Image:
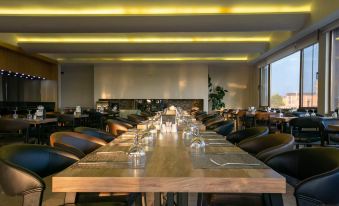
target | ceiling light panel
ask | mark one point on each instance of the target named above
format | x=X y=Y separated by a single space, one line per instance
x=152 y=10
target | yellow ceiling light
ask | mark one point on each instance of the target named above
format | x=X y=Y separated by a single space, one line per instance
x=271 y=9
x=140 y=39
x=121 y=11
x=158 y=59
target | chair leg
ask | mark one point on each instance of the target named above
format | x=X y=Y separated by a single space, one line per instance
x=33 y=199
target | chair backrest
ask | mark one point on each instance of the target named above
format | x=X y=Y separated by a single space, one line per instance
x=214 y=120
x=22 y=167
x=121 y=119
x=136 y=118
x=78 y=144
x=240 y=135
x=12 y=125
x=325 y=122
x=95 y=133
x=225 y=128
x=116 y=128
x=306 y=162
x=262 y=116
x=269 y=145
x=305 y=122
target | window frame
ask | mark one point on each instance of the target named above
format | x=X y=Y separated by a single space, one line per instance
x=301 y=77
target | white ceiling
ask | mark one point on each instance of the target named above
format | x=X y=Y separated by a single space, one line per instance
x=13 y=26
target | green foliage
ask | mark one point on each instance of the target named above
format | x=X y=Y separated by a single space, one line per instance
x=216 y=97
x=277 y=101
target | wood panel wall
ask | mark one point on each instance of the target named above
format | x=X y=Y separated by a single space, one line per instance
x=16 y=60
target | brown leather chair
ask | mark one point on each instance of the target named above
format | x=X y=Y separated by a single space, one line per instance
x=267 y=146
x=15 y=126
x=22 y=167
x=94 y=132
x=76 y=143
x=116 y=128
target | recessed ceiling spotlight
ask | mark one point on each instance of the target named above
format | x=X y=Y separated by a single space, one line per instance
x=2 y=70
x=44 y=78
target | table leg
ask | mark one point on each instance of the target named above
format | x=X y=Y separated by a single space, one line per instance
x=157 y=199
x=273 y=199
x=70 y=197
x=182 y=199
x=170 y=199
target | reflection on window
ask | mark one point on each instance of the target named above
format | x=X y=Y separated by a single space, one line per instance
x=310 y=76
x=264 y=86
x=335 y=71
x=285 y=77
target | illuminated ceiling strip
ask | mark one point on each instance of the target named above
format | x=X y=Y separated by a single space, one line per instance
x=118 y=11
x=158 y=59
x=140 y=39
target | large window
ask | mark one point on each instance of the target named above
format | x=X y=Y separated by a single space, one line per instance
x=264 y=75
x=310 y=76
x=335 y=71
x=285 y=81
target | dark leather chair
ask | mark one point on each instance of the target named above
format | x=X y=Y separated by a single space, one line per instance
x=214 y=122
x=240 y=135
x=225 y=128
x=14 y=126
x=76 y=143
x=313 y=172
x=266 y=146
x=306 y=130
x=23 y=166
x=94 y=132
x=208 y=117
x=200 y=116
x=329 y=135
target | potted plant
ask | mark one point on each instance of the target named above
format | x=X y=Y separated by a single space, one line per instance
x=216 y=95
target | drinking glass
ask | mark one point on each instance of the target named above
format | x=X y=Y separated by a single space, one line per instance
x=307 y=114
x=29 y=115
x=136 y=152
x=313 y=114
x=198 y=142
x=15 y=115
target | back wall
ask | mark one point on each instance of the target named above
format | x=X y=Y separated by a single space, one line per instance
x=158 y=81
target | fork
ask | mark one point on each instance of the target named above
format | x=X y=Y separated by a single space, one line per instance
x=233 y=163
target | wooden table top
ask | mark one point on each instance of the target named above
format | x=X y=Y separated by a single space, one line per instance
x=282 y=119
x=41 y=121
x=333 y=127
x=169 y=169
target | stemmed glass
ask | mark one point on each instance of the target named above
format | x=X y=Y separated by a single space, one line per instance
x=136 y=153
x=29 y=115
x=198 y=141
x=15 y=115
x=307 y=114
x=313 y=114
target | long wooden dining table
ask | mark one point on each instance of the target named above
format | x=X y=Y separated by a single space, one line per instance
x=170 y=167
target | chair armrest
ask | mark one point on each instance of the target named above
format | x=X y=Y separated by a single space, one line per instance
x=16 y=180
x=319 y=189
